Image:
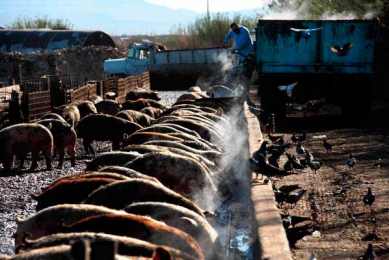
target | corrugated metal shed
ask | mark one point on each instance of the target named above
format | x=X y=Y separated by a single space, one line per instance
x=28 y=41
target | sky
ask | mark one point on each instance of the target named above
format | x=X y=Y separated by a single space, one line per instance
x=117 y=17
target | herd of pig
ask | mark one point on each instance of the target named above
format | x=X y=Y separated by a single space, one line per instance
x=148 y=198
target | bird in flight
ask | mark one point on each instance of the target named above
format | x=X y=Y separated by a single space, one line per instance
x=306 y=33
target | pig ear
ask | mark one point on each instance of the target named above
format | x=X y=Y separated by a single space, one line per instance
x=99 y=168
x=87 y=162
x=125 y=136
x=161 y=254
x=49 y=126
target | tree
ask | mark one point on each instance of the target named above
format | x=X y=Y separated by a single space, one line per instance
x=316 y=9
x=40 y=23
x=206 y=31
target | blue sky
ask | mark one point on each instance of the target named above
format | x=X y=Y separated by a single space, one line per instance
x=122 y=16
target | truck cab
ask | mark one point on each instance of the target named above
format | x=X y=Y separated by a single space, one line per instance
x=138 y=60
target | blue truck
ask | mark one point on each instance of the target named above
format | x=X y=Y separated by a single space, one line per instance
x=335 y=59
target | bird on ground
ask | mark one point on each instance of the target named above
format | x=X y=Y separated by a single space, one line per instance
x=275 y=138
x=288 y=89
x=295 y=162
x=308 y=156
x=256 y=110
x=289 y=188
x=288 y=166
x=300 y=149
x=262 y=150
x=328 y=146
x=313 y=257
x=278 y=148
x=342 y=50
x=279 y=195
x=290 y=220
x=306 y=33
x=315 y=165
x=262 y=166
x=294 y=197
x=369 y=254
x=351 y=161
x=369 y=198
x=299 y=138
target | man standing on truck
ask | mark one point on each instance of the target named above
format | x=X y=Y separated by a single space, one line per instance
x=243 y=42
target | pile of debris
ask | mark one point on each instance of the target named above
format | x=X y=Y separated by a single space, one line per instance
x=79 y=62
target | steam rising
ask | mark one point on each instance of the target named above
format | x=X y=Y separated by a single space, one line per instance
x=302 y=13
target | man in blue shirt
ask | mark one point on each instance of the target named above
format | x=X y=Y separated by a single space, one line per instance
x=243 y=42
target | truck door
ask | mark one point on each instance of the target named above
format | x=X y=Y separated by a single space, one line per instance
x=141 y=61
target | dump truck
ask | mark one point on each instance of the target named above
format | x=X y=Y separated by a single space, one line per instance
x=169 y=69
x=334 y=59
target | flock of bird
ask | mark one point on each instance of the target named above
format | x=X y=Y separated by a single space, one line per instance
x=265 y=162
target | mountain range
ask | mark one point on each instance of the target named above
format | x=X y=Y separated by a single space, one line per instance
x=115 y=17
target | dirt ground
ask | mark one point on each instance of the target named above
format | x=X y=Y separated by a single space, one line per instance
x=341 y=226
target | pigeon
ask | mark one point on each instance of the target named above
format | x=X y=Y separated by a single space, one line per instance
x=313 y=257
x=279 y=195
x=327 y=145
x=315 y=165
x=308 y=156
x=293 y=198
x=288 y=89
x=262 y=150
x=295 y=162
x=288 y=166
x=255 y=110
x=275 y=138
x=293 y=220
x=369 y=254
x=286 y=221
x=289 y=188
x=342 y=50
x=263 y=167
x=350 y=161
x=298 y=138
x=306 y=33
x=300 y=149
x=369 y=198
x=279 y=148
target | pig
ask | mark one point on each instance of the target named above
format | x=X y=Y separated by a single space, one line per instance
x=126 y=246
x=144 y=149
x=183 y=175
x=139 y=227
x=169 y=128
x=50 y=220
x=86 y=108
x=110 y=159
x=137 y=190
x=203 y=130
x=109 y=107
x=64 y=138
x=135 y=116
x=21 y=139
x=210 y=155
x=95 y=99
x=71 y=114
x=140 y=138
x=142 y=93
x=176 y=216
x=152 y=111
x=68 y=191
x=189 y=96
x=62 y=252
x=109 y=175
x=128 y=173
x=100 y=127
x=205 y=143
x=194 y=89
x=140 y=104
x=53 y=116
